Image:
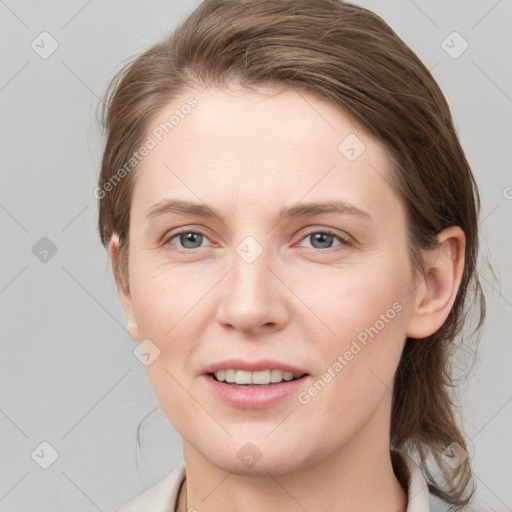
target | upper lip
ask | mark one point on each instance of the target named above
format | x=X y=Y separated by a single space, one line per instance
x=253 y=366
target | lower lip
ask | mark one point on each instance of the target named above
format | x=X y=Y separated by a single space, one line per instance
x=252 y=397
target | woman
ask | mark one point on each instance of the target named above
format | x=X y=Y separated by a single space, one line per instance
x=293 y=228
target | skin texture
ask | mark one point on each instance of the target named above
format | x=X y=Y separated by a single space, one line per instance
x=302 y=301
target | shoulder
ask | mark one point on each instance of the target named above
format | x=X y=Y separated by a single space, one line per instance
x=159 y=498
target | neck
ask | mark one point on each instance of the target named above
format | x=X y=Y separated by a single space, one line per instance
x=354 y=485
x=357 y=477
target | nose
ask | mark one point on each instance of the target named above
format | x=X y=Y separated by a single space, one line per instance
x=254 y=299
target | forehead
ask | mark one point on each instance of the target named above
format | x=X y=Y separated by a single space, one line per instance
x=275 y=143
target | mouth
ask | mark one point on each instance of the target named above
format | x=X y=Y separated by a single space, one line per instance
x=256 y=379
x=254 y=384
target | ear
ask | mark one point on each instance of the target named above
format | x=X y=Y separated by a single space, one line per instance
x=436 y=291
x=123 y=289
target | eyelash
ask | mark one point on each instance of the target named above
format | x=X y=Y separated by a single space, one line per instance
x=345 y=241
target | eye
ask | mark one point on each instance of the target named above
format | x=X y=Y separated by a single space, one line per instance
x=187 y=239
x=323 y=239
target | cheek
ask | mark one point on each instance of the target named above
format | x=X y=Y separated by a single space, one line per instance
x=357 y=370
x=359 y=328
x=168 y=313
x=346 y=301
x=164 y=297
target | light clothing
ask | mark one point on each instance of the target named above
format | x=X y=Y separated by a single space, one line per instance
x=163 y=496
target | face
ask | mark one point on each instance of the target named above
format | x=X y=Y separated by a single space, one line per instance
x=295 y=259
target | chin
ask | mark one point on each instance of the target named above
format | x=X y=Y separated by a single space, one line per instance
x=274 y=465
x=258 y=458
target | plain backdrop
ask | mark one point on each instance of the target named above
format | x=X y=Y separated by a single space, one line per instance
x=69 y=378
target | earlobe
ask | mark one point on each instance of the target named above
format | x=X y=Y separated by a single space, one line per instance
x=436 y=292
x=123 y=289
x=133 y=331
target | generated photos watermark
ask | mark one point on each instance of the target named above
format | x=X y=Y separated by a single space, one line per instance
x=342 y=360
x=151 y=142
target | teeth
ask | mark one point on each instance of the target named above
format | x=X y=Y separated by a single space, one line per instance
x=261 y=377
x=264 y=377
x=243 y=377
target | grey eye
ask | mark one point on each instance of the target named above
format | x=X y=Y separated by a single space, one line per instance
x=189 y=239
x=322 y=239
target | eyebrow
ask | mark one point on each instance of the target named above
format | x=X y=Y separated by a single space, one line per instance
x=182 y=207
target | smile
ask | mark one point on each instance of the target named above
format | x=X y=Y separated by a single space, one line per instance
x=259 y=378
x=242 y=395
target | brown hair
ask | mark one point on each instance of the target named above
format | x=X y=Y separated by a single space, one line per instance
x=349 y=57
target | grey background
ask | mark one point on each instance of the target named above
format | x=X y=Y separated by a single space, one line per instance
x=68 y=375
